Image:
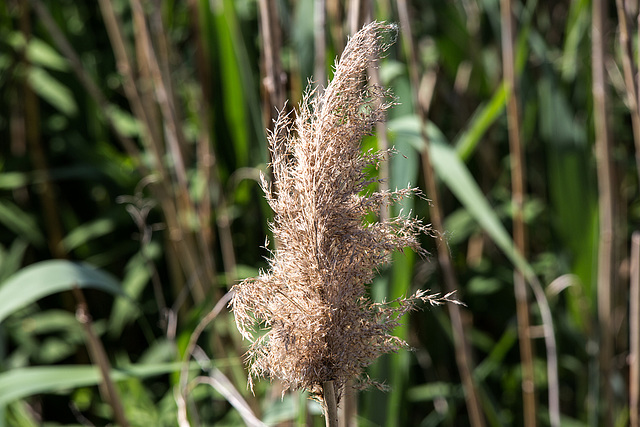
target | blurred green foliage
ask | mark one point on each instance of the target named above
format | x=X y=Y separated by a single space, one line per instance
x=71 y=189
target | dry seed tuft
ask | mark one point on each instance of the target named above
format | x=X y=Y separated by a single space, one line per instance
x=308 y=318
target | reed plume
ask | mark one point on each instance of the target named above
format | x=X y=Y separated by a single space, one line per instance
x=308 y=318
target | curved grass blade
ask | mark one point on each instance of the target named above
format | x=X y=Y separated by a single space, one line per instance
x=22 y=223
x=482 y=119
x=23 y=382
x=48 y=277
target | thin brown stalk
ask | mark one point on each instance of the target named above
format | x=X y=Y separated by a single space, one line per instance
x=630 y=71
x=330 y=404
x=55 y=231
x=36 y=150
x=348 y=409
x=463 y=354
x=336 y=23
x=354 y=15
x=147 y=57
x=274 y=77
x=206 y=160
x=518 y=194
x=226 y=241
x=126 y=69
x=606 y=255
x=320 y=43
x=182 y=239
x=92 y=89
x=156 y=74
x=99 y=358
x=551 y=347
x=634 y=333
x=163 y=97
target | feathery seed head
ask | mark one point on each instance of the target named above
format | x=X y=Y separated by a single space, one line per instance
x=308 y=318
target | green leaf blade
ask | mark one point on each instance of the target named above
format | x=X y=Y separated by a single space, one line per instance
x=48 y=277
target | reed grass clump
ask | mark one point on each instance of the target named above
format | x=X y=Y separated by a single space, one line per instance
x=308 y=318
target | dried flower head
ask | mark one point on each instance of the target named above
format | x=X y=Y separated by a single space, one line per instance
x=309 y=318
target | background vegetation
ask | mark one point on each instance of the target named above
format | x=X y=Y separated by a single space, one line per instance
x=133 y=133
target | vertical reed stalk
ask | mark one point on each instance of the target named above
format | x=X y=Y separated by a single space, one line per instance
x=630 y=71
x=606 y=256
x=518 y=194
x=99 y=357
x=206 y=160
x=62 y=43
x=175 y=206
x=273 y=81
x=353 y=16
x=205 y=156
x=36 y=150
x=330 y=404
x=634 y=333
x=463 y=353
x=336 y=23
x=320 y=43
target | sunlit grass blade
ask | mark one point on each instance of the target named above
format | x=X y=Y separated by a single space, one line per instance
x=21 y=222
x=455 y=175
x=49 y=277
x=23 y=382
x=482 y=119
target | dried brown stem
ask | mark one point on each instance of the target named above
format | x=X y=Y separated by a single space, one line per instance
x=99 y=358
x=92 y=89
x=463 y=354
x=320 y=43
x=630 y=72
x=634 y=332
x=273 y=80
x=336 y=23
x=330 y=404
x=354 y=15
x=606 y=254
x=206 y=160
x=518 y=194
x=173 y=205
x=163 y=97
x=126 y=69
x=36 y=150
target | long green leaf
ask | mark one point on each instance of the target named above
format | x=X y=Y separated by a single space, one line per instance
x=23 y=382
x=49 y=277
x=21 y=222
x=483 y=118
x=86 y=232
x=52 y=91
x=455 y=175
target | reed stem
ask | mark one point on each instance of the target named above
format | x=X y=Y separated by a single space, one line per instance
x=634 y=333
x=330 y=404
x=518 y=193
x=606 y=255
